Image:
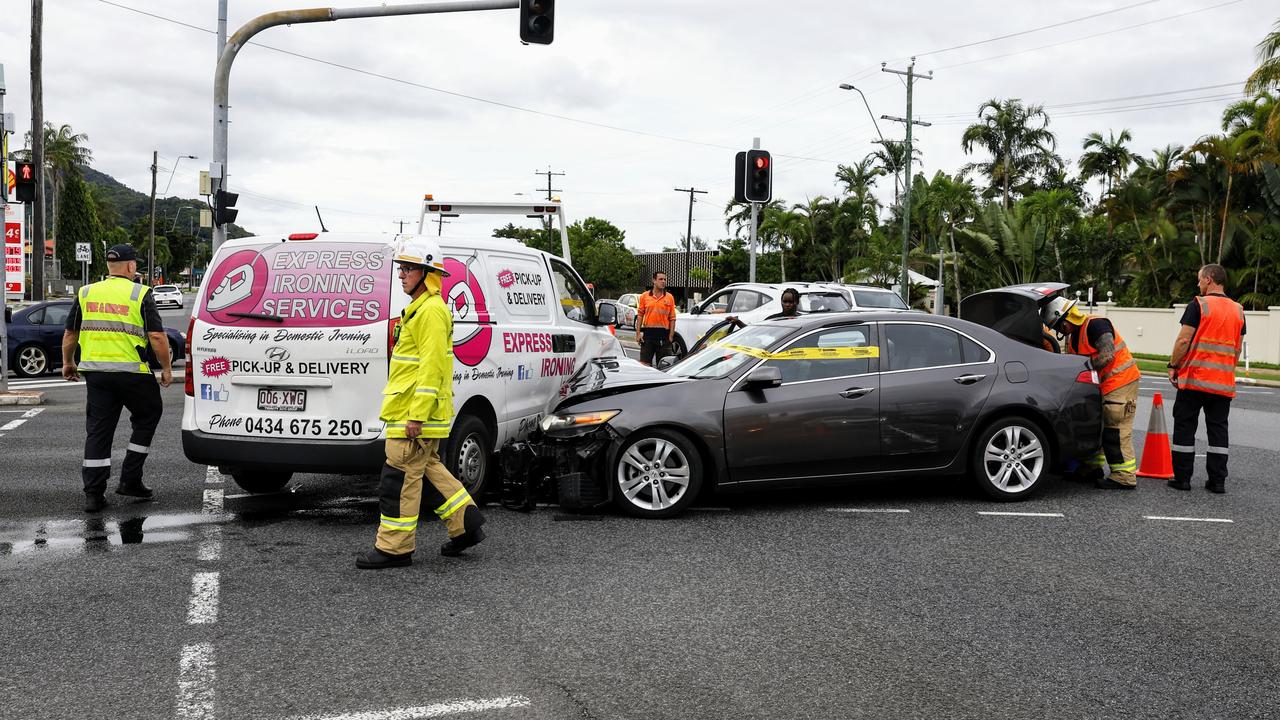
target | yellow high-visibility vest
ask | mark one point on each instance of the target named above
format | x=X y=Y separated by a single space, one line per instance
x=112 y=331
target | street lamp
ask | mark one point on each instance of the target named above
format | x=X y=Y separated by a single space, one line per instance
x=846 y=86
x=151 y=252
x=178 y=214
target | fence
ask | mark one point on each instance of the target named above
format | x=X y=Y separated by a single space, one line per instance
x=1153 y=330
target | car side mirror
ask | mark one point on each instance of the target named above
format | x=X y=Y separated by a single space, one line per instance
x=695 y=310
x=666 y=362
x=765 y=376
x=607 y=314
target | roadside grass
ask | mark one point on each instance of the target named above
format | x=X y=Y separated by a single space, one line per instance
x=1159 y=364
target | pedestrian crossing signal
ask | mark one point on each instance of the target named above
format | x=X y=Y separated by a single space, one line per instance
x=25 y=188
x=537 y=21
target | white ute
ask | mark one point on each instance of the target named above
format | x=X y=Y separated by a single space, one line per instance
x=289 y=340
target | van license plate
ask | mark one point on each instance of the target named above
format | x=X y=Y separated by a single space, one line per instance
x=282 y=399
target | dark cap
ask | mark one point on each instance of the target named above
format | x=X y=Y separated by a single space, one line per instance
x=121 y=253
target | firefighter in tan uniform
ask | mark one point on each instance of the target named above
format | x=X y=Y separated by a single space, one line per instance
x=417 y=406
x=1097 y=339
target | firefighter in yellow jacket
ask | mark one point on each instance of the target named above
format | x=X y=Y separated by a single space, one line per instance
x=417 y=405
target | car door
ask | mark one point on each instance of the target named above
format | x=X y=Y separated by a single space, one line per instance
x=52 y=325
x=933 y=384
x=822 y=423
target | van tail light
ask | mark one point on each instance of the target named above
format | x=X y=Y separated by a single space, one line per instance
x=189 y=373
x=1088 y=376
x=391 y=337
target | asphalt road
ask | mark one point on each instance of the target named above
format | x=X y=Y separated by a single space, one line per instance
x=882 y=600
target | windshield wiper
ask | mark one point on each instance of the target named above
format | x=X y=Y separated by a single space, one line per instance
x=257 y=316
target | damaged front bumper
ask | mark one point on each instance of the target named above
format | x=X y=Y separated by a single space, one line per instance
x=570 y=471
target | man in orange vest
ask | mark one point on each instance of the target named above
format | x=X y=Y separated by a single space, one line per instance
x=656 y=321
x=1097 y=339
x=1203 y=368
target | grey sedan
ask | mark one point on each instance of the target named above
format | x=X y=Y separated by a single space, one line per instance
x=825 y=399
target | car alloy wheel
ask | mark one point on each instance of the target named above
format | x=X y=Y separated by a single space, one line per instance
x=1011 y=459
x=657 y=475
x=32 y=360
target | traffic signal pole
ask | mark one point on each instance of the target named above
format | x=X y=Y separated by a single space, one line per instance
x=4 y=245
x=218 y=170
x=751 y=265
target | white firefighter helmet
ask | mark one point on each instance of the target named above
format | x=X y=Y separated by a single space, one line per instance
x=1058 y=308
x=419 y=251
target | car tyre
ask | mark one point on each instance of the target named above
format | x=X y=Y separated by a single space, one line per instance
x=469 y=453
x=1011 y=459
x=30 y=361
x=261 y=481
x=656 y=474
x=678 y=347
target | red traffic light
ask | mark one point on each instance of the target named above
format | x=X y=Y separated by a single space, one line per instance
x=24 y=170
x=762 y=162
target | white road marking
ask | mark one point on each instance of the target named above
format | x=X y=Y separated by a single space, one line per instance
x=211 y=547
x=196 y=677
x=203 y=606
x=453 y=707
x=212 y=501
x=1019 y=514
x=212 y=476
x=45 y=384
x=1187 y=519
x=866 y=510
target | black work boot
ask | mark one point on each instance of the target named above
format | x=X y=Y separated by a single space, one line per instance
x=137 y=490
x=472 y=519
x=1107 y=483
x=1179 y=484
x=1219 y=487
x=94 y=502
x=375 y=559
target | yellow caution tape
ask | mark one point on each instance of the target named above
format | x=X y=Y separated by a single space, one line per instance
x=806 y=353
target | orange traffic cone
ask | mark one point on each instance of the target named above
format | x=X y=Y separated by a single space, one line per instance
x=1157 y=456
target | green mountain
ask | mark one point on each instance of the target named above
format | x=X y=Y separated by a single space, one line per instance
x=132 y=206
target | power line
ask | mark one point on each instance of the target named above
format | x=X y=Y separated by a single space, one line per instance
x=1049 y=106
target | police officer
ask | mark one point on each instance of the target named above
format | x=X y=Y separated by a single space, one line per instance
x=112 y=322
x=1203 y=368
x=1097 y=339
x=417 y=406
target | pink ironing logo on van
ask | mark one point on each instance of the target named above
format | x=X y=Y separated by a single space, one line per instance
x=464 y=296
x=311 y=285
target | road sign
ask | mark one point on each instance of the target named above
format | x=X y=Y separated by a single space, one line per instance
x=83 y=252
x=14 y=260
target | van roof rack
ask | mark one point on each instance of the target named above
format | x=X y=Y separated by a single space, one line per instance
x=544 y=209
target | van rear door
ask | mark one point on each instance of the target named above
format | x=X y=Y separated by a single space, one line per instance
x=290 y=340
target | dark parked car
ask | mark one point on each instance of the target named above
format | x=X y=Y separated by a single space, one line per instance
x=822 y=399
x=35 y=339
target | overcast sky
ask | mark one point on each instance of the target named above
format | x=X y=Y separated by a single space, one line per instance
x=632 y=100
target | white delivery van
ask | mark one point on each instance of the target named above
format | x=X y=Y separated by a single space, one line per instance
x=288 y=346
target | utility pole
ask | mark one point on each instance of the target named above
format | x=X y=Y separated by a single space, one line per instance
x=401 y=224
x=688 y=239
x=37 y=149
x=910 y=72
x=151 y=253
x=440 y=223
x=546 y=219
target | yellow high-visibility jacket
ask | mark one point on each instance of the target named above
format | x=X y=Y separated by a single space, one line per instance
x=420 y=382
x=112 y=330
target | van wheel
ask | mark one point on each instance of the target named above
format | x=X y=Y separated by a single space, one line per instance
x=470 y=453
x=261 y=481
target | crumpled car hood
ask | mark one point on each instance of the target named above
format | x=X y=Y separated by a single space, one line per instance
x=602 y=377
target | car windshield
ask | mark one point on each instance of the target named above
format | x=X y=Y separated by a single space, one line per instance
x=874 y=299
x=719 y=359
x=824 y=302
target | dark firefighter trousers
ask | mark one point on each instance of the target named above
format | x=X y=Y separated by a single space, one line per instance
x=402 y=494
x=1186 y=416
x=108 y=393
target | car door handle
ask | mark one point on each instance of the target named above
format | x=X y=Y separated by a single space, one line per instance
x=854 y=393
x=969 y=379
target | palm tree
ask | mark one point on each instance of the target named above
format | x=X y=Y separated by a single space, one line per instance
x=1107 y=159
x=1235 y=156
x=1003 y=244
x=737 y=215
x=64 y=155
x=1267 y=77
x=1057 y=210
x=1018 y=138
x=893 y=160
x=860 y=177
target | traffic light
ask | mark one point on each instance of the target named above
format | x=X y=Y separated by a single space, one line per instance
x=25 y=189
x=224 y=211
x=537 y=21
x=753 y=175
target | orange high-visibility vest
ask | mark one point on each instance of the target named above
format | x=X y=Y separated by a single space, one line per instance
x=656 y=312
x=1121 y=371
x=1210 y=364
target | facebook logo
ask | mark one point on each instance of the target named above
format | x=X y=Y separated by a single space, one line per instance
x=523 y=373
x=222 y=394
